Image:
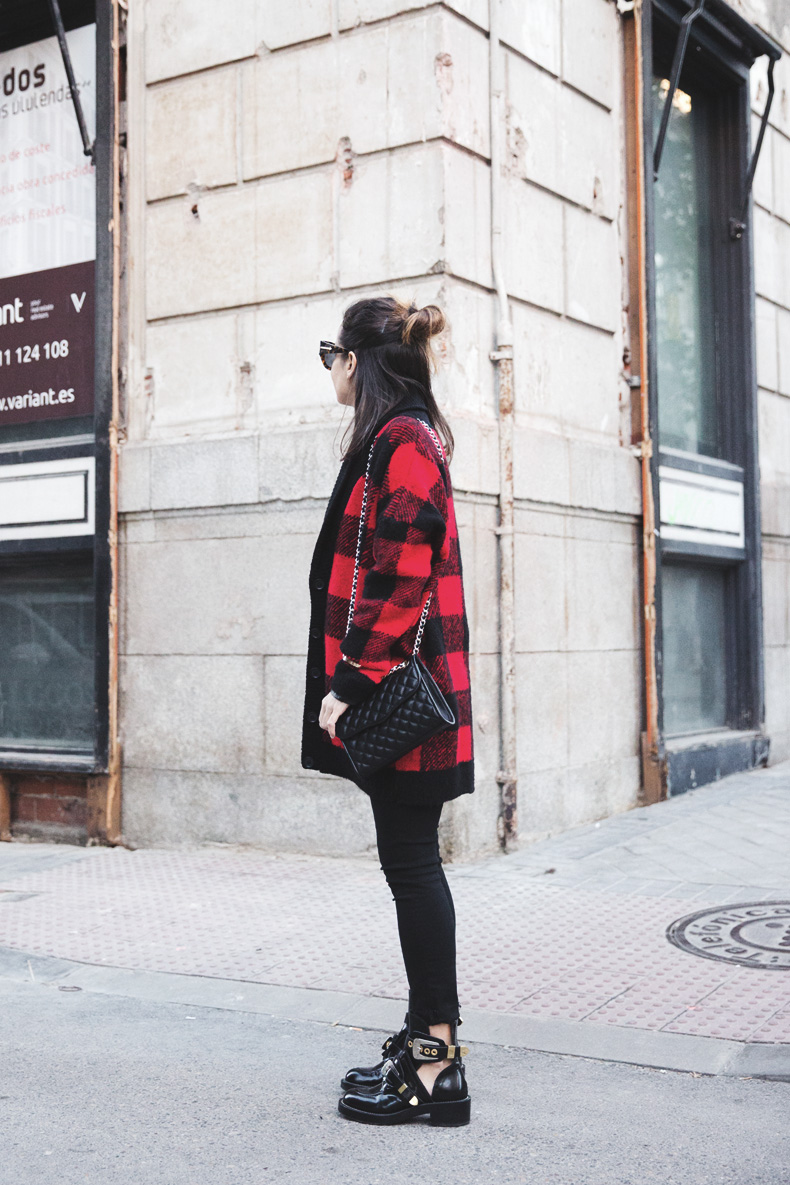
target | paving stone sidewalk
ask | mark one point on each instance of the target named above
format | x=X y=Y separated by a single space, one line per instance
x=570 y=930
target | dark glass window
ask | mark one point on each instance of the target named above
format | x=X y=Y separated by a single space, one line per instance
x=49 y=431
x=47 y=658
x=694 y=606
x=685 y=311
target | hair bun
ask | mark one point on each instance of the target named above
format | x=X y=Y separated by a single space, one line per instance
x=420 y=325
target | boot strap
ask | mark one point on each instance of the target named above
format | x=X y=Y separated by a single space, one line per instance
x=395 y=1079
x=390 y=1040
x=427 y=1049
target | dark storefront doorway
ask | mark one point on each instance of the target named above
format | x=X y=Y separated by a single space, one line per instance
x=704 y=390
x=55 y=390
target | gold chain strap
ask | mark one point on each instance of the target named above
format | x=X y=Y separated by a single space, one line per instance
x=360 y=536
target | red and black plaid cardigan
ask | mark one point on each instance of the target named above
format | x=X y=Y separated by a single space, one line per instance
x=410 y=548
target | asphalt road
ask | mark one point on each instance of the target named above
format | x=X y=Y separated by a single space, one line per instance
x=115 y=1091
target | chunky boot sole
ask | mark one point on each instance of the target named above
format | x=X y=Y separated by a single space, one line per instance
x=449 y=1114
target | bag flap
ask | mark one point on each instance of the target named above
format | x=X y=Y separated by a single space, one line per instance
x=389 y=695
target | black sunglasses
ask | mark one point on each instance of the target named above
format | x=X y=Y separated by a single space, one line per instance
x=327 y=352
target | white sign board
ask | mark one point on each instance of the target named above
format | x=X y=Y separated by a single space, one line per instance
x=47 y=187
x=47 y=232
x=699 y=508
x=46 y=499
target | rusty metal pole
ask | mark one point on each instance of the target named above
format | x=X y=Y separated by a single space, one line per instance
x=653 y=769
x=507 y=775
x=5 y=807
x=502 y=357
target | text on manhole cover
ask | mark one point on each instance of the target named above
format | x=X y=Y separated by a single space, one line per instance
x=756 y=934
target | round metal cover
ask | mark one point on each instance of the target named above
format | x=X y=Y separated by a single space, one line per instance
x=756 y=934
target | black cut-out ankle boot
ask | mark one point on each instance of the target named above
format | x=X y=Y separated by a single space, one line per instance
x=401 y=1096
x=369 y=1077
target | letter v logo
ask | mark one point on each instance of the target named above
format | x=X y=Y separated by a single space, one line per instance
x=77 y=301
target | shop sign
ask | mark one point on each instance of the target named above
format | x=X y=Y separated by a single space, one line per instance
x=47 y=232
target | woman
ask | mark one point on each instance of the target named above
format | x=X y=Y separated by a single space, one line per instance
x=381 y=368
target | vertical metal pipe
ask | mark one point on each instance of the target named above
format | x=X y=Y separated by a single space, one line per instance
x=502 y=357
x=113 y=821
x=653 y=781
x=507 y=776
x=114 y=789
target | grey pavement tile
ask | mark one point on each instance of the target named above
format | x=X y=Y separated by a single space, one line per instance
x=693 y=890
x=601 y=880
x=685 y=891
x=720 y=862
x=758 y=814
x=683 y=864
x=744 y=872
x=19 y=859
x=665 y=869
x=708 y=892
x=658 y=888
x=769 y=813
x=740 y=893
x=564 y=882
x=632 y=885
x=744 y=843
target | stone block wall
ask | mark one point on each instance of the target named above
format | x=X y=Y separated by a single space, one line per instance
x=289 y=159
x=294 y=158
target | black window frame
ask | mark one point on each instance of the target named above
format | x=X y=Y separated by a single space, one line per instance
x=719 y=57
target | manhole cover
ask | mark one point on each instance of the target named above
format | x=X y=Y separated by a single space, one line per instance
x=756 y=934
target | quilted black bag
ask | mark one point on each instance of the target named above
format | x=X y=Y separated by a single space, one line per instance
x=406 y=707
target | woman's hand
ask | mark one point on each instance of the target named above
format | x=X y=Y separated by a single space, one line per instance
x=331 y=711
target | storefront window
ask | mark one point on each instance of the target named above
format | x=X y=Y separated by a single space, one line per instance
x=47 y=646
x=695 y=674
x=48 y=459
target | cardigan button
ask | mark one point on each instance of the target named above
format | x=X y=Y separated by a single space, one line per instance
x=319 y=583
x=315 y=632
x=312 y=717
x=308 y=762
x=315 y=672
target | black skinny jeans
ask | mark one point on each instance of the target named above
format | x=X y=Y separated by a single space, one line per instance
x=408 y=844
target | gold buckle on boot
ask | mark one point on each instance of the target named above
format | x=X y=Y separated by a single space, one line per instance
x=433 y=1051
x=426 y=1051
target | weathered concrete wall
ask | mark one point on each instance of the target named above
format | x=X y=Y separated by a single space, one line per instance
x=290 y=166
x=291 y=158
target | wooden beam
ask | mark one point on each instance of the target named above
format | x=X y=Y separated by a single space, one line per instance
x=104 y=809
x=5 y=807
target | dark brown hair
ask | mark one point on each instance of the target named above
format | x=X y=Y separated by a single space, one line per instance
x=392 y=342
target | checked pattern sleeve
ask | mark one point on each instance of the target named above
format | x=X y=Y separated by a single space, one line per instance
x=405 y=538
